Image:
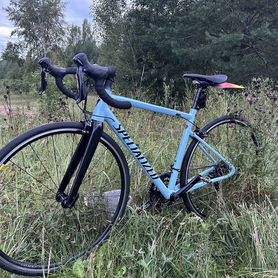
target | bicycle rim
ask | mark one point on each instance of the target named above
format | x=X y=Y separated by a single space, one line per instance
x=37 y=235
x=234 y=139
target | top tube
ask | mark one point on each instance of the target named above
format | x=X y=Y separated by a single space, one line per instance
x=158 y=109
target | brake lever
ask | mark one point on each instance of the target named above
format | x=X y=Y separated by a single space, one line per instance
x=82 y=88
x=43 y=82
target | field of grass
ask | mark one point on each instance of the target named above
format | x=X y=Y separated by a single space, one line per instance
x=237 y=242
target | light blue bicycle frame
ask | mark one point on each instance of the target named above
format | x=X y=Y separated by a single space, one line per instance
x=103 y=113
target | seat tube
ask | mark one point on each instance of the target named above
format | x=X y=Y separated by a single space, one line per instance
x=196 y=98
x=182 y=149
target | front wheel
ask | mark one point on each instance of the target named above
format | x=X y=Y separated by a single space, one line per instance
x=38 y=235
x=235 y=140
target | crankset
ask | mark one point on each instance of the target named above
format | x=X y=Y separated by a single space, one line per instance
x=156 y=199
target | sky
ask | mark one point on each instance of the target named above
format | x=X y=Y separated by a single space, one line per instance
x=75 y=12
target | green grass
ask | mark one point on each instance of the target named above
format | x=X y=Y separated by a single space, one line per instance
x=232 y=245
x=171 y=243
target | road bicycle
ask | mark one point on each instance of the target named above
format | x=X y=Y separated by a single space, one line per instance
x=64 y=185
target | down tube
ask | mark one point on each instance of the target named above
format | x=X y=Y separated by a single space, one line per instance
x=113 y=122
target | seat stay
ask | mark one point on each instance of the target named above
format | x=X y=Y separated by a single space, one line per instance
x=210 y=157
x=232 y=172
x=210 y=148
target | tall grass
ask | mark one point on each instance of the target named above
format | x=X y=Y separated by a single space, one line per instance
x=172 y=243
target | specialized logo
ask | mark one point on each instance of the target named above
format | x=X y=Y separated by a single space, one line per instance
x=137 y=153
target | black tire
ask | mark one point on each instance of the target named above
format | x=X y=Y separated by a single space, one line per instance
x=34 y=238
x=234 y=138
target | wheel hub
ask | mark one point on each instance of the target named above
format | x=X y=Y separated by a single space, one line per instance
x=65 y=200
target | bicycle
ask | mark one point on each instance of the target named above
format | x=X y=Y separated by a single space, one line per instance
x=56 y=179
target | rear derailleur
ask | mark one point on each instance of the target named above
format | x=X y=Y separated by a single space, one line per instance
x=221 y=169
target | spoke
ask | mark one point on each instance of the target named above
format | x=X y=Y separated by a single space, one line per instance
x=9 y=237
x=32 y=224
x=77 y=218
x=72 y=145
x=204 y=195
x=99 y=172
x=54 y=202
x=31 y=175
x=39 y=223
x=96 y=162
x=63 y=218
x=72 y=149
x=203 y=167
x=43 y=165
x=55 y=157
x=93 y=176
x=27 y=191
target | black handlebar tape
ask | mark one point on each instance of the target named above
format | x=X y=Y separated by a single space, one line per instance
x=63 y=89
x=59 y=74
x=83 y=90
x=100 y=75
x=100 y=88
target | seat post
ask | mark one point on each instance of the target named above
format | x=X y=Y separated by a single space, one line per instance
x=200 y=97
x=196 y=98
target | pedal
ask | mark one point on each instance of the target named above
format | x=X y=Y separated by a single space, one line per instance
x=206 y=179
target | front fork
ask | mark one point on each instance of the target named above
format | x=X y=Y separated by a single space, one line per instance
x=82 y=156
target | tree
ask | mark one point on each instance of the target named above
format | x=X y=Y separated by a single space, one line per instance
x=114 y=30
x=38 y=22
x=239 y=37
x=80 y=40
x=153 y=42
x=12 y=53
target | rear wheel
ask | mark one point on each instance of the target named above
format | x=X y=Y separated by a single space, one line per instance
x=38 y=235
x=234 y=139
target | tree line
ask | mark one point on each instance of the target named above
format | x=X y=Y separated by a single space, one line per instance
x=152 y=42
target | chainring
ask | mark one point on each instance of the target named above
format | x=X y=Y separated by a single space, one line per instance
x=156 y=199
